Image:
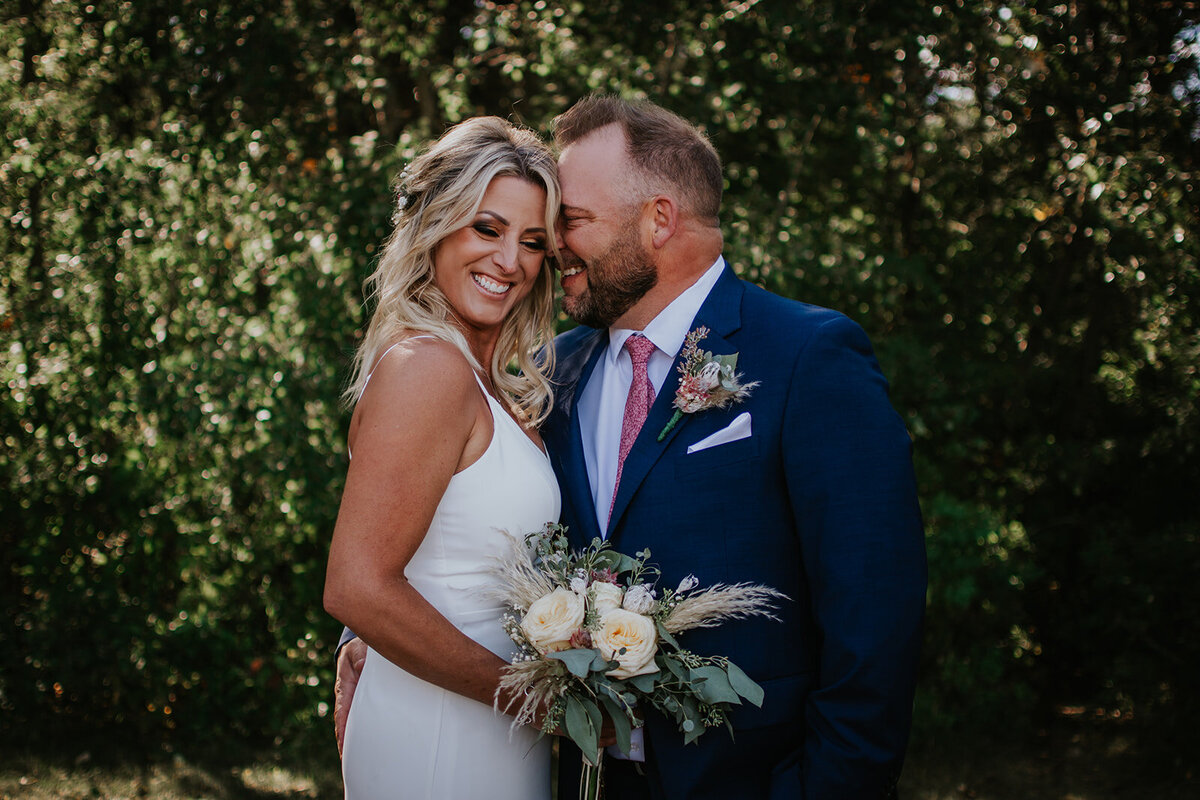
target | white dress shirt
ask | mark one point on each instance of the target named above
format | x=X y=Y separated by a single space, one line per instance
x=602 y=402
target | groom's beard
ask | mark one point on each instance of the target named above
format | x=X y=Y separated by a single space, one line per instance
x=616 y=280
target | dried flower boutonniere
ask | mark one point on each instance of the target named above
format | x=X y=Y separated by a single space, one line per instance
x=707 y=381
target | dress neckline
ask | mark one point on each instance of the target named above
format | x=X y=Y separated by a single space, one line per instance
x=498 y=409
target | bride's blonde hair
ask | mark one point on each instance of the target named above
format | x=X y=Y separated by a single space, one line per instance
x=439 y=193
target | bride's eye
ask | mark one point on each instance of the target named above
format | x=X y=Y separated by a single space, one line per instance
x=486 y=230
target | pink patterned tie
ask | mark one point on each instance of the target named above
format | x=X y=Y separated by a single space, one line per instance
x=637 y=404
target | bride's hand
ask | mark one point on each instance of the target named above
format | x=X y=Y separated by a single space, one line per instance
x=349 y=666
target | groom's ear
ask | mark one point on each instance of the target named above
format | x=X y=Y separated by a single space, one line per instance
x=664 y=218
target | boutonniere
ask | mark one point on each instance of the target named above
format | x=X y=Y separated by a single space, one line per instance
x=706 y=381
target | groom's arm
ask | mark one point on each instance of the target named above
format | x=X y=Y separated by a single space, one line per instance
x=850 y=480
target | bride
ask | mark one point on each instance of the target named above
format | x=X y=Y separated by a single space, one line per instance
x=445 y=457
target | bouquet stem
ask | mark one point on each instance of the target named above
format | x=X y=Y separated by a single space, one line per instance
x=591 y=778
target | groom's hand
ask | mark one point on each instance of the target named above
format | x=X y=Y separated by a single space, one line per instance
x=349 y=666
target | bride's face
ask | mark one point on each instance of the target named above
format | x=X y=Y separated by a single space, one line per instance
x=489 y=266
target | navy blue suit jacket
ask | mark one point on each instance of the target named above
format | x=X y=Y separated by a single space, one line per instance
x=820 y=503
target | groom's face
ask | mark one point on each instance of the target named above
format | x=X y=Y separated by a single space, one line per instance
x=605 y=269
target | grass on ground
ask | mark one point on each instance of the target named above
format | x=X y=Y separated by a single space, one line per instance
x=1081 y=758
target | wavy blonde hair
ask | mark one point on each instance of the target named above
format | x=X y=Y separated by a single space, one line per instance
x=439 y=193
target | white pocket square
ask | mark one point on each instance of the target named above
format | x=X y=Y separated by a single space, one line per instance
x=738 y=429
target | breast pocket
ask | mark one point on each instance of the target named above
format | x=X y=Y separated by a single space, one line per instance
x=721 y=457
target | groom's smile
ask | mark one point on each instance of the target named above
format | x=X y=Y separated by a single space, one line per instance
x=605 y=269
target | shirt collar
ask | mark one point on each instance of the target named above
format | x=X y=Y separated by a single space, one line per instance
x=670 y=327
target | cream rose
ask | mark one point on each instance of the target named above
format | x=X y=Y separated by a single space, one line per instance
x=552 y=619
x=637 y=634
x=606 y=597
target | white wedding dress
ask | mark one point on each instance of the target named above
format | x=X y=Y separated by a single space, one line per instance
x=409 y=739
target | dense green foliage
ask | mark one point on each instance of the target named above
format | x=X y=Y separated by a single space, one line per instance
x=192 y=192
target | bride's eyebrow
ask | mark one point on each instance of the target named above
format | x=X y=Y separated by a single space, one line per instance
x=494 y=216
x=506 y=223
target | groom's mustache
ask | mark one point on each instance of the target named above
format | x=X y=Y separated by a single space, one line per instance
x=568 y=260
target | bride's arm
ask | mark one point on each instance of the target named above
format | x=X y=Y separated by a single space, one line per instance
x=418 y=423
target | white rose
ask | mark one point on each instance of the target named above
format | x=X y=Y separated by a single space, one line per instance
x=552 y=619
x=639 y=599
x=633 y=632
x=606 y=597
x=578 y=585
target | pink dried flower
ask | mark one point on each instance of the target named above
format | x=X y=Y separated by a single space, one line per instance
x=606 y=575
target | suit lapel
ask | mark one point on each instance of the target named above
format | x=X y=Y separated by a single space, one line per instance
x=721 y=314
x=576 y=485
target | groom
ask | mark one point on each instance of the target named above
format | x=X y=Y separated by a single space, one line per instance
x=805 y=486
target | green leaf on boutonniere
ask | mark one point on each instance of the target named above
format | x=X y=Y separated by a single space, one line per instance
x=728 y=376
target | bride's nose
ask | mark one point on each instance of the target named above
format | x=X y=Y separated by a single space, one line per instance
x=506 y=255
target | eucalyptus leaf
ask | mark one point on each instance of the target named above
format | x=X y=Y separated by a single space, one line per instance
x=579 y=662
x=677 y=669
x=643 y=683
x=665 y=635
x=579 y=727
x=690 y=708
x=744 y=685
x=606 y=689
x=596 y=716
x=607 y=559
x=715 y=688
x=601 y=664
x=620 y=722
x=625 y=563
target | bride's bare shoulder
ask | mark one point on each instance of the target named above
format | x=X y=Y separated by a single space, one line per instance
x=419 y=372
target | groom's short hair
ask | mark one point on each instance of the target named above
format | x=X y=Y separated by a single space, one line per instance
x=662 y=145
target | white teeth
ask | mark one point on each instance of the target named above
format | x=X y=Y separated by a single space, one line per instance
x=569 y=271
x=490 y=285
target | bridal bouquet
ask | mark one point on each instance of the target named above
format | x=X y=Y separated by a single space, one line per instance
x=595 y=635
